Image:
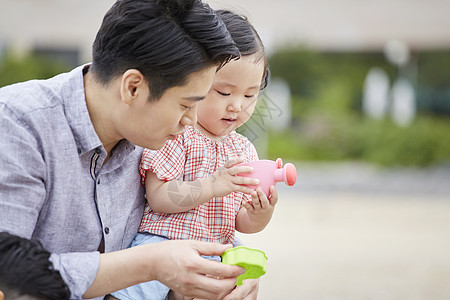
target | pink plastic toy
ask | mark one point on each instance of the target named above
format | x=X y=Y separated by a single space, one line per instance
x=270 y=172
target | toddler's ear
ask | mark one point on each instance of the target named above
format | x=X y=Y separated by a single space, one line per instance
x=2 y=296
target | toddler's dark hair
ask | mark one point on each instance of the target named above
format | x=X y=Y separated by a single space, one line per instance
x=246 y=38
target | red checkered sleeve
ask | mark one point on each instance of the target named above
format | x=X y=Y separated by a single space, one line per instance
x=167 y=163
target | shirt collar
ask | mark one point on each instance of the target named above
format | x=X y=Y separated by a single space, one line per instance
x=74 y=101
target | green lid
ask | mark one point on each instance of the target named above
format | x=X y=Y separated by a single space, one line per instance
x=253 y=260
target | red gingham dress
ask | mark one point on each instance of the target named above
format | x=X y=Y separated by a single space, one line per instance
x=191 y=156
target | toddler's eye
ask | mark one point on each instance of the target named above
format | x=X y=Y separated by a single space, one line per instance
x=222 y=94
x=249 y=96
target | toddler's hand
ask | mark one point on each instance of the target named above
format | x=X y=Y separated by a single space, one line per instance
x=225 y=180
x=261 y=205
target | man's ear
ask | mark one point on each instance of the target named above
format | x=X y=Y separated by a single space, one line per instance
x=2 y=296
x=131 y=85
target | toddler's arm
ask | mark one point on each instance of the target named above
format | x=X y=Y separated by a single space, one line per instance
x=255 y=215
x=179 y=196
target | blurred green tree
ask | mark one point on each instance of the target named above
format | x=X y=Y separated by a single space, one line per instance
x=15 y=69
x=328 y=123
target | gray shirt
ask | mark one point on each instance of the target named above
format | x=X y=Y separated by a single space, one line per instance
x=53 y=184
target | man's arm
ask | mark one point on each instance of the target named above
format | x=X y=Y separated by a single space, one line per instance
x=23 y=194
x=177 y=264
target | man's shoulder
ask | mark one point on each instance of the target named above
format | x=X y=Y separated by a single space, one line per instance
x=26 y=97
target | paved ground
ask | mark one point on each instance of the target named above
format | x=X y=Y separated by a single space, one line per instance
x=356 y=232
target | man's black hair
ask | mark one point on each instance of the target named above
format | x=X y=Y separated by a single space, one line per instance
x=166 y=40
x=25 y=269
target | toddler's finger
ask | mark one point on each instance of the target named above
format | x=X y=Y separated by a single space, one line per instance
x=255 y=199
x=262 y=198
x=234 y=170
x=248 y=205
x=245 y=180
x=245 y=189
x=273 y=195
x=233 y=162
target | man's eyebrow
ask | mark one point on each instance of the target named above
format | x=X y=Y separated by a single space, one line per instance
x=194 y=98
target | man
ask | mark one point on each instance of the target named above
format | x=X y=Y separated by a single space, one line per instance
x=70 y=148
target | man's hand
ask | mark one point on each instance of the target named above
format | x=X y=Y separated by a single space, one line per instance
x=247 y=291
x=178 y=265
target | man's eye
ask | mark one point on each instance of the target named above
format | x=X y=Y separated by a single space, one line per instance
x=222 y=94
x=187 y=107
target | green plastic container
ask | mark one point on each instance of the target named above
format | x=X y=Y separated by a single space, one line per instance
x=253 y=260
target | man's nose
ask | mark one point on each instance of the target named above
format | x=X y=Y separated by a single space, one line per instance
x=190 y=117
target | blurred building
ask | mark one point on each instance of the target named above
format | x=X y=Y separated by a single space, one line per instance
x=66 y=28
x=349 y=25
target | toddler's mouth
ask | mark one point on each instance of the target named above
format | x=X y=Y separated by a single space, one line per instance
x=229 y=121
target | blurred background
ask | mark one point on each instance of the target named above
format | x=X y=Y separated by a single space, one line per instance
x=359 y=101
